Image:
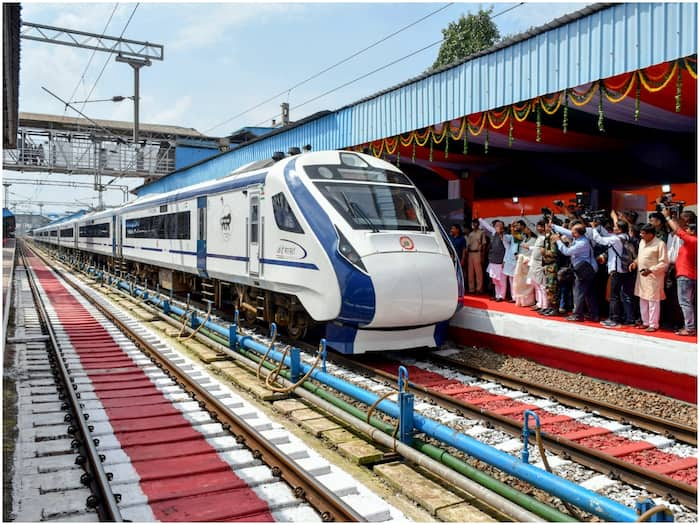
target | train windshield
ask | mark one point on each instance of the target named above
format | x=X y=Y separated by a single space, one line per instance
x=377 y=207
x=357 y=173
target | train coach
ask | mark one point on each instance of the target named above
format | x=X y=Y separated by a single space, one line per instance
x=333 y=237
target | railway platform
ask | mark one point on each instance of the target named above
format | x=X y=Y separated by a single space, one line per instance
x=661 y=361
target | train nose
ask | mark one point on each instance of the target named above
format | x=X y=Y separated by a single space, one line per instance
x=412 y=289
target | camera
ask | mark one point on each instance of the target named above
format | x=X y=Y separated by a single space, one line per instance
x=548 y=215
x=665 y=201
x=580 y=207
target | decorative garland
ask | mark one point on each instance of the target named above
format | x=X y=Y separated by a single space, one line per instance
x=616 y=89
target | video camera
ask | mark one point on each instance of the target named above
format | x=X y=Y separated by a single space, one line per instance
x=548 y=215
x=580 y=207
x=665 y=201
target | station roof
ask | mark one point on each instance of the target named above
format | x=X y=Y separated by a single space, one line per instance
x=70 y=123
x=572 y=54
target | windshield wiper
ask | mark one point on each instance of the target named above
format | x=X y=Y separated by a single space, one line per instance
x=357 y=210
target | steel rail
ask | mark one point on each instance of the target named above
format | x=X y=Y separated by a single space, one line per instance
x=304 y=485
x=106 y=503
x=7 y=300
x=670 y=429
x=615 y=468
x=604 y=463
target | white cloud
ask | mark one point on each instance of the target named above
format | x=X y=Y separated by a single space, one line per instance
x=173 y=115
x=208 y=24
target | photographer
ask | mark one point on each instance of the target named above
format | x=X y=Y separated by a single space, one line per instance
x=621 y=253
x=585 y=268
x=686 y=267
x=651 y=264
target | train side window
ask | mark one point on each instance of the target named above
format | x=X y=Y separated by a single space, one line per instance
x=94 y=230
x=169 y=226
x=284 y=216
x=254 y=219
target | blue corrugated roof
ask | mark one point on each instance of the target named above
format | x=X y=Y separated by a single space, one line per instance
x=598 y=41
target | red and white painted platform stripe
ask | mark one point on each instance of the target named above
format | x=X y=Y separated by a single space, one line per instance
x=170 y=461
x=647 y=453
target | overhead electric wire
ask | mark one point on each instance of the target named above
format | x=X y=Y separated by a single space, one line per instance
x=346 y=59
x=109 y=56
x=365 y=75
x=82 y=77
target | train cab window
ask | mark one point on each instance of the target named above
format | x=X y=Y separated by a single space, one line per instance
x=356 y=174
x=284 y=216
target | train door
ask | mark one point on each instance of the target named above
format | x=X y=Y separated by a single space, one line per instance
x=254 y=234
x=202 y=236
x=116 y=236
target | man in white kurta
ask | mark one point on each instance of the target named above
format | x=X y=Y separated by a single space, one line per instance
x=651 y=264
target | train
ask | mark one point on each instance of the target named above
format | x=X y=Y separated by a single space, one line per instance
x=336 y=239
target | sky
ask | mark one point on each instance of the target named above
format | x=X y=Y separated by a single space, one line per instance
x=222 y=59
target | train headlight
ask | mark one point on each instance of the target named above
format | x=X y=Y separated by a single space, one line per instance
x=346 y=250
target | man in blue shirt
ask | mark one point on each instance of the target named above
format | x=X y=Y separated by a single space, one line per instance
x=458 y=241
x=585 y=268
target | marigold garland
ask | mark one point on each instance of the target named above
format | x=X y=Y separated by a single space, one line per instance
x=510 y=132
x=388 y=141
x=481 y=122
x=624 y=90
x=550 y=107
x=460 y=132
x=443 y=133
x=522 y=112
x=615 y=90
x=581 y=99
x=601 y=126
x=406 y=142
x=498 y=119
x=656 y=84
x=422 y=141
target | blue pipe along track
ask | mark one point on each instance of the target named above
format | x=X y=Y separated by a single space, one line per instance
x=568 y=491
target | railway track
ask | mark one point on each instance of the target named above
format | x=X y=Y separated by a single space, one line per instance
x=172 y=423
x=674 y=491
x=664 y=427
x=561 y=434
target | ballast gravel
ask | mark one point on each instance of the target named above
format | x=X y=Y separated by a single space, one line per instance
x=619 y=395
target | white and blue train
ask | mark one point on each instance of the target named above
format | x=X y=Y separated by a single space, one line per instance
x=333 y=237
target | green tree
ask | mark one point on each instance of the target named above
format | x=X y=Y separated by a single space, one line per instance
x=469 y=35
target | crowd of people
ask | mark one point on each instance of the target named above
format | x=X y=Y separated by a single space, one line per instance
x=640 y=275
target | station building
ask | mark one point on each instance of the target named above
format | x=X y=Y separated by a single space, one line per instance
x=601 y=101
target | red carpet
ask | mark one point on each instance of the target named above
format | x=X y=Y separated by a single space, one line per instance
x=487 y=303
